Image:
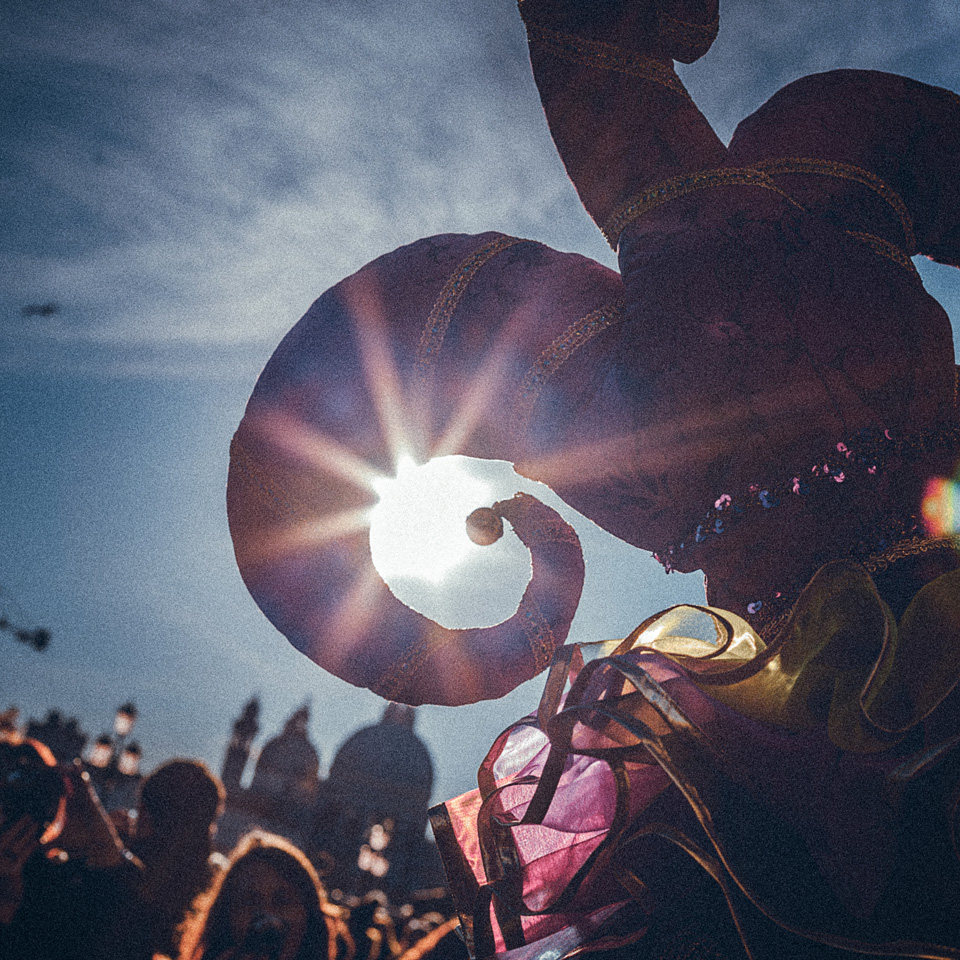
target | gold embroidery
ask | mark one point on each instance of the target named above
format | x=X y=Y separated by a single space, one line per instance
x=769 y=624
x=911 y=547
x=435 y=328
x=676 y=187
x=702 y=28
x=607 y=56
x=549 y=527
x=556 y=354
x=391 y=685
x=847 y=171
x=761 y=176
x=539 y=635
x=684 y=32
x=885 y=249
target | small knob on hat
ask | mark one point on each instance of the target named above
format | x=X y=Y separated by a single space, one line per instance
x=484 y=526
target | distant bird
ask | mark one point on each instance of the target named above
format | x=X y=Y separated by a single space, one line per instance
x=39 y=639
x=48 y=309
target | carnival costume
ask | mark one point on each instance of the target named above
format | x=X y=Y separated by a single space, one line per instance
x=764 y=392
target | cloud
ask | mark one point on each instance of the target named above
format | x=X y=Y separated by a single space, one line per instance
x=763 y=46
x=185 y=178
x=211 y=175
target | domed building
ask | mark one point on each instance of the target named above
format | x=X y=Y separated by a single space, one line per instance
x=288 y=766
x=372 y=816
x=245 y=730
x=283 y=794
x=364 y=826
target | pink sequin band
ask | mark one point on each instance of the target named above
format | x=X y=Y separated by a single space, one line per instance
x=864 y=457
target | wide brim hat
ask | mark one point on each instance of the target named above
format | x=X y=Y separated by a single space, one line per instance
x=441 y=347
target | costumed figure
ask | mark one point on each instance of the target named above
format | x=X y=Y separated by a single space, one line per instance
x=765 y=392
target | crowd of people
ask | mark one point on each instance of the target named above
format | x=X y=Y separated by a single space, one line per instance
x=76 y=882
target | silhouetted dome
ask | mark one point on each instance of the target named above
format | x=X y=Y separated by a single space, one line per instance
x=288 y=761
x=386 y=756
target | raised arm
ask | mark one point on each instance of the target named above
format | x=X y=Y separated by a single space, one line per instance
x=618 y=113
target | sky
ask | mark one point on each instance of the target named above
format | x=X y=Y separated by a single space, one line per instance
x=182 y=179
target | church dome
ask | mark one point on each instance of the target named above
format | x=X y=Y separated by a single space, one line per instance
x=387 y=756
x=288 y=761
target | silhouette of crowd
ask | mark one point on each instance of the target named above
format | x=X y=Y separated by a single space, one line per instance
x=78 y=882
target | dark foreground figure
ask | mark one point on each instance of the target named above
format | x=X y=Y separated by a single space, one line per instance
x=764 y=392
x=74 y=888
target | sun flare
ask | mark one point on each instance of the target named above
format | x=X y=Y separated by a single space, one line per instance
x=418 y=526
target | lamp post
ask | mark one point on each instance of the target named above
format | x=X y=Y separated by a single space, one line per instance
x=129 y=763
x=113 y=760
x=124 y=720
x=100 y=753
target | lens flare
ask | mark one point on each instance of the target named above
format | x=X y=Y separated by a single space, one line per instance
x=941 y=507
x=418 y=527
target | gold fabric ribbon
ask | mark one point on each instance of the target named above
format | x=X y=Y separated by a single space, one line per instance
x=843 y=662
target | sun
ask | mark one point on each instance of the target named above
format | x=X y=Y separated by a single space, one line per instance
x=418 y=525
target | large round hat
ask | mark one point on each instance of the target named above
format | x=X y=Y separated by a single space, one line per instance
x=441 y=347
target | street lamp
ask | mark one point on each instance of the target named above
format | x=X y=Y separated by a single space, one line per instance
x=101 y=752
x=114 y=763
x=129 y=763
x=124 y=720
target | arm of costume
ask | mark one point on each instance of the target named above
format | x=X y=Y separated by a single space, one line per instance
x=878 y=153
x=618 y=113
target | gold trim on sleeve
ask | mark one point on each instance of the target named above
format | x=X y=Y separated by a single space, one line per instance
x=684 y=32
x=885 y=249
x=676 y=187
x=438 y=320
x=911 y=547
x=847 y=171
x=607 y=56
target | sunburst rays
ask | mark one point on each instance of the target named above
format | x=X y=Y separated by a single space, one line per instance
x=348 y=624
x=342 y=489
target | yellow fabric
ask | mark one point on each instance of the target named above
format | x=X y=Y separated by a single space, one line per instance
x=844 y=663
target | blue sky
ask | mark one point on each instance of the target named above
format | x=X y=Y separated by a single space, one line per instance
x=184 y=179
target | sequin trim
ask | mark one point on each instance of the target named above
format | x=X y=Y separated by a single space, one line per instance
x=847 y=171
x=771 y=616
x=548 y=529
x=912 y=547
x=560 y=350
x=391 y=685
x=438 y=320
x=866 y=454
x=677 y=187
x=684 y=32
x=607 y=56
x=539 y=636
